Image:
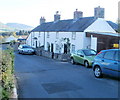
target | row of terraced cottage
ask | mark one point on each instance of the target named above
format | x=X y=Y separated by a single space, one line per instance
x=67 y=36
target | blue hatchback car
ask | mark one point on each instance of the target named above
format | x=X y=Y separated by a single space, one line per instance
x=107 y=62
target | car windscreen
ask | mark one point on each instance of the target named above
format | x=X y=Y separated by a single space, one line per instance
x=26 y=47
x=89 y=52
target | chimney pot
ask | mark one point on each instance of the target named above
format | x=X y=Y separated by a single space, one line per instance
x=42 y=20
x=78 y=14
x=57 y=16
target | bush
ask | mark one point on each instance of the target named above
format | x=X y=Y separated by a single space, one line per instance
x=6 y=73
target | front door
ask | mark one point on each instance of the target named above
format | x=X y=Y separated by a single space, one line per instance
x=52 y=47
x=36 y=44
x=65 y=48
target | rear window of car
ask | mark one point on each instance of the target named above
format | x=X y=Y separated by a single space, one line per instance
x=109 y=55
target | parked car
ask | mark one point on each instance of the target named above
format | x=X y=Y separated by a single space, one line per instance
x=83 y=56
x=25 y=49
x=107 y=62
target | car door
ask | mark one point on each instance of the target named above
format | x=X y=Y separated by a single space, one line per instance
x=117 y=63
x=80 y=57
x=109 y=64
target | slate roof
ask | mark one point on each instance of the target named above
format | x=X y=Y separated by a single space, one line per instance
x=81 y=24
x=113 y=25
x=70 y=25
x=42 y=27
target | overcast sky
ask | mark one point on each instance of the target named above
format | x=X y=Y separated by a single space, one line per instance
x=29 y=11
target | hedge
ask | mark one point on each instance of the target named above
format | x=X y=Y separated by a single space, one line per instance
x=6 y=73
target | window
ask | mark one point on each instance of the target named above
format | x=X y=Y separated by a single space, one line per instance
x=73 y=48
x=89 y=52
x=109 y=55
x=117 y=56
x=57 y=47
x=73 y=35
x=101 y=54
x=26 y=47
x=48 y=34
x=57 y=35
x=79 y=52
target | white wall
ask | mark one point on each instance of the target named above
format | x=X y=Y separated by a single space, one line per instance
x=11 y=38
x=94 y=43
x=40 y=39
x=100 y=25
x=49 y=40
x=78 y=42
x=87 y=42
x=28 y=40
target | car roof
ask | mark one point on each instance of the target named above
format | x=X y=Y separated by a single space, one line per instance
x=110 y=50
x=86 y=49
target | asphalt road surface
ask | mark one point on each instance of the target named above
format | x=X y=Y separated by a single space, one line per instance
x=40 y=77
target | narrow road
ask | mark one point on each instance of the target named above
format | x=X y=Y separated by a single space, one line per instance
x=40 y=77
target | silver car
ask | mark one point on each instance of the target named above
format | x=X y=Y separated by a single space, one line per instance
x=25 y=49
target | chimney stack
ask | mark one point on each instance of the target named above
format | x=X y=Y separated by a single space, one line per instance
x=78 y=14
x=42 y=20
x=99 y=12
x=56 y=16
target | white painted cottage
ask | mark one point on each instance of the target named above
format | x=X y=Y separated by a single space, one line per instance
x=10 y=38
x=63 y=36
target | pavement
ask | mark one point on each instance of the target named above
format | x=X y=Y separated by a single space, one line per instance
x=40 y=77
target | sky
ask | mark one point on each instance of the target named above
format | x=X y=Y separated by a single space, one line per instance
x=29 y=12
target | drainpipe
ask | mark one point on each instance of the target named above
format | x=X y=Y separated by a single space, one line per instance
x=44 y=40
x=31 y=39
x=91 y=42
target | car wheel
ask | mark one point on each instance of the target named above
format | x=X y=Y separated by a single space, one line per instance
x=97 y=72
x=86 y=64
x=22 y=52
x=18 y=52
x=72 y=61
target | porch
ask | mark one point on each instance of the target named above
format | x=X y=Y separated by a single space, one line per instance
x=105 y=40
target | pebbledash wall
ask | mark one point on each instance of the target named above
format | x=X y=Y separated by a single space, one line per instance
x=77 y=40
x=57 y=38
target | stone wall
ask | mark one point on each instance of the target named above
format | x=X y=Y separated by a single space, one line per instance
x=61 y=57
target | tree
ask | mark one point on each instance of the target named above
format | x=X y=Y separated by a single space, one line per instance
x=14 y=34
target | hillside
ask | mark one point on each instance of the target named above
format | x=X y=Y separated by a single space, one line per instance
x=10 y=27
x=5 y=28
x=19 y=26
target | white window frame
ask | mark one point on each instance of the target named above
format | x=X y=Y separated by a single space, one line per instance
x=48 y=34
x=57 y=35
x=72 y=48
x=73 y=35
